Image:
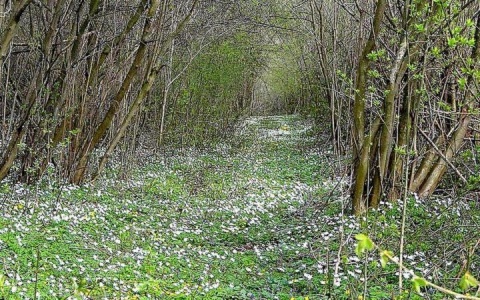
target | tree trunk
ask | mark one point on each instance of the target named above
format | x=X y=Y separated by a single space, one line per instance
x=132 y=111
x=102 y=128
x=145 y=89
x=435 y=165
x=11 y=152
x=362 y=144
x=386 y=136
x=18 y=9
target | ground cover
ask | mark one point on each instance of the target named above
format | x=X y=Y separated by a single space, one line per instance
x=262 y=216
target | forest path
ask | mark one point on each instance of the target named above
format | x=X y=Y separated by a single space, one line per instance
x=240 y=221
x=256 y=217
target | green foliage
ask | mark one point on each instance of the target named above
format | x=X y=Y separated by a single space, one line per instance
x=473 y=182
x=284 y=76
x=452 y=42
x=462 y=83
x=215 y=91
x=259 y=215
x=377 y=55
x=468 y=281
x=418 y=283
x=188 y=229
x=364 y=244
x=436 y=52
x=374 y=73
x=444 y=106
x=385 y=257
x=420 y=27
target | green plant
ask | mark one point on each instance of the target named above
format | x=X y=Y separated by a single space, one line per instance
x=467 y=281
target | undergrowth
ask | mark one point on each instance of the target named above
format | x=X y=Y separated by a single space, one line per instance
x=263 y=216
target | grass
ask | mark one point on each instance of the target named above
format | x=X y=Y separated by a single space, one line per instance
x=255 y=218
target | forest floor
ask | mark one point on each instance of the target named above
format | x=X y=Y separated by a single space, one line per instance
x=262 y=216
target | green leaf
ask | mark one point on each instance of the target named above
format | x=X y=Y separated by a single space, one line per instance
x=374 y=74
x=385 y=257
x=436 y=51
x=419 y=282
x=364 y=243
x=369 y=244
x=467 y=281
x=359 y=249
x=476 y=74
x=462 y=83
x=452 y=42
x=420 y=27
x=361 y=237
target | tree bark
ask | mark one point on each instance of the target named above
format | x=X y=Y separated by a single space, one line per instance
x=361 y=79
x=19 y=9
x=386 y=136
x=362 y=144
x=11 y=153
x=89 y=145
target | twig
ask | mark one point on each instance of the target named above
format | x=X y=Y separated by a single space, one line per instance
x=428 y=283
